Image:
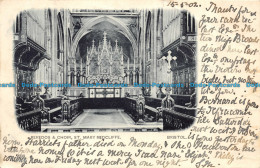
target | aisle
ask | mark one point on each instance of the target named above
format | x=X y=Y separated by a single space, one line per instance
x=100 y=120
x=103 y=118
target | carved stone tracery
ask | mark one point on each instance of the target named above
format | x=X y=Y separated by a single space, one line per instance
x=105 y=62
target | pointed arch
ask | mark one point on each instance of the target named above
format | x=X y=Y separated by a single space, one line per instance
x=86 y=28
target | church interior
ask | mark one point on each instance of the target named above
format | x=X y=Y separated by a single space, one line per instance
x=105 y=70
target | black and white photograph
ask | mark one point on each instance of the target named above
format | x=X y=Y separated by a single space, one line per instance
x=85 y=70
x=129 y=84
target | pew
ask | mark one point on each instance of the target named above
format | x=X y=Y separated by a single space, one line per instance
x=29 y=114
x=154 y=106
x=50 y=108
x=134 y=107
x=183 y=104
x=185 y=110
x=179 y=116
x=54 y=109
x=179 y=99
x=22 y=107
x=173 y=120
x=30 y=121
x=151 y=108
x=71 y=109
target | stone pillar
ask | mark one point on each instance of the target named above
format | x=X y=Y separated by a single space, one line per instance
x=75 y=73
x=87 y=65
x=134 y=77
x=128 y=77
x=189 y=81
x=81 y=71
x=53 y=53
x=140 y=77
x=154 y=47
x=68 y=76
x=65 y=47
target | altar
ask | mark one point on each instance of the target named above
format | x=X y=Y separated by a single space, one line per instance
x=103 y=92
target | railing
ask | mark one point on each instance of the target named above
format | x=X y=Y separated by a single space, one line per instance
x=71 y=109
x=102 y=103
x=30 y=121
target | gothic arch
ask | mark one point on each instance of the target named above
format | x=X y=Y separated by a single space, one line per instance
x=49 y=32
x=69 y=44
x=60 y=37
x=86 y=28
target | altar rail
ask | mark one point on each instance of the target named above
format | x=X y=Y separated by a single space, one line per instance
x=103 y=92
x=102 y=103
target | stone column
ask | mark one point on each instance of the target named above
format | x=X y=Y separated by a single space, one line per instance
x=81 y=71
x=75 y=73
x=53 y=53
x=87 y=65
x=134 y=77
x=128 y=76
x=68 y=76
x=140 y=77
x=65 y=47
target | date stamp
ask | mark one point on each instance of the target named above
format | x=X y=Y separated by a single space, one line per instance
x=183 y=4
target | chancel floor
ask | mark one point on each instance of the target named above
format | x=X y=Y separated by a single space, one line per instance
x=103 y=118
x=96 y=120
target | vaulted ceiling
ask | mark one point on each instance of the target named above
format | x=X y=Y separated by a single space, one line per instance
x=113 y=34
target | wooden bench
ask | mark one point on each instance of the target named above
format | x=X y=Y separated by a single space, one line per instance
x=173 y=120
x=71 y=109
x=54 y=109
x=185 y=110
x=135 y=107
x=30 y=121
x=179 y=116
x=152 y=108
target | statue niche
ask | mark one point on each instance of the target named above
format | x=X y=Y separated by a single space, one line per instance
x=105 y=63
